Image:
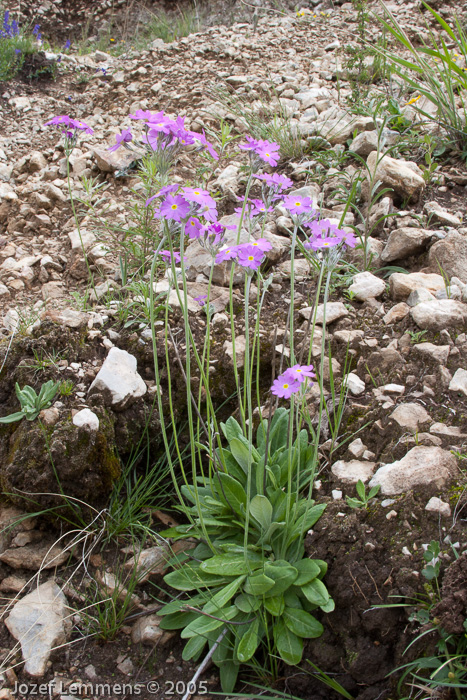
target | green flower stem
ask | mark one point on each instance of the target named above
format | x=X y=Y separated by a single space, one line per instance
x=91 y=276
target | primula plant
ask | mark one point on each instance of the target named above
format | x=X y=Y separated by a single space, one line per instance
x=247 y=589
x=31 y=403
x=253 y=591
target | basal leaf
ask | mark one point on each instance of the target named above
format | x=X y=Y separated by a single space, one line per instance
x=302 y=623
x=289 y=646
x=248 y=643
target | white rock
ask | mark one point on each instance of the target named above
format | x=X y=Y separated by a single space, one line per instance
x=367 y=286
x=436 y=505
x=439 y=314
x=334 y=311
x=357 y=448
x=355 y=384
x=353 y=471
x=459 y=381
x=240 y=346
x=439 y=353
x=39 y=622
x=404 y=177
x=401 y=285
x=404 y=242
x=86 y=419
x=410 y=416
x=118 y=376
x=396 y=313
x=421 y=466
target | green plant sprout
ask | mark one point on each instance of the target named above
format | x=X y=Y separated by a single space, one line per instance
x=363 y=498
x=31 y=403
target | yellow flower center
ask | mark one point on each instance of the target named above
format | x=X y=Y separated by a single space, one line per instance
x=251 y=257
x=174 y=206
x=298 y=204
x=286 y=386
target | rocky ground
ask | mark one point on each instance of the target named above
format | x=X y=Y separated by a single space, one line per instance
x=398 y=336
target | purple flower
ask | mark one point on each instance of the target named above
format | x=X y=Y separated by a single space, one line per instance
x=250 y=145
x=67 y=45
x=124 y=137
x=162 y=192
x=298 y=205
x=146 y=114
x=201 y=299
x=284 y=387
x=268 y=154
x=298 y=373
x=17 y=51
x=174 y=207
x=167 y=255
x=261 y=244
x=69 y=123
x=199 y=196
x=204 y=142
x=324 y=234
x=193 y=227
x=276 y=181
x=36 y=29
x=226 y=254
x=249 y=256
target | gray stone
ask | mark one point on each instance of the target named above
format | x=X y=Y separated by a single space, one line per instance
x=35 y=556
x=355 y=385
x=439 y=353
x=334 y=311
x=367 y=286
x=404 y=242
x=364 y=143
x=396 y=313
x=451 y=255
x=422 y=466
x=439 y=314
x=86 y=419
x=39 y=622
x=419 y=295
x=119 y=379
x=459 y=381
x=402 y=285
x=439 y=507
x=353 y=471
x=410 y=416
x=404 y=177
x=149 y=561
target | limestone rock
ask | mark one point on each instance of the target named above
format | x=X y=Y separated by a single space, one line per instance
x=410 y=416
x=355 y=384
x=451 y=255
x=39 y=622
x=334 y=311
x=367 y=286
x=404 y=242
x=439 y=314
x=439 y=507
x=119 y=379
x=110 y=162
x=459 y=381
x=421 y=466
x=86 y=419
x=149 y=561
x=353 y=471
x=439 y=353
x=397 y=313
x=401 y=285
x=405 y=178
x=35 y=556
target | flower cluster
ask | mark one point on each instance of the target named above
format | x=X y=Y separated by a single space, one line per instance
x=163 y=133
x=185 y=204
x=8 y=30
x=290 y=381
x=247 y=255
x=72 y=126
x=325 y=235
x=266 y=151
x=254 y=207
x=300 y=208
